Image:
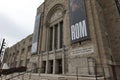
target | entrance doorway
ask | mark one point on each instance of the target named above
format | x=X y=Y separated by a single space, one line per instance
x=114 y=72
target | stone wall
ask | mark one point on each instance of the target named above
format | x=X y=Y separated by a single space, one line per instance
x=19 y=54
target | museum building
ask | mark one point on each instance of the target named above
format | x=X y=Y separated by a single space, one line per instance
x=77 y=38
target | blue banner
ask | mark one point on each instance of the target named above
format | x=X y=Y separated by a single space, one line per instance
x=36 y=34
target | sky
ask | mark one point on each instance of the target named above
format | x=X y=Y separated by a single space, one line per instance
x=17 y=18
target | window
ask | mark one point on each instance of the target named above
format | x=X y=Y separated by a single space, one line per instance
x=17 y=52
x=118 y=5
x=59 y=66
x=51 y=38
x=55 y=23
x=23 y=50
x=29 y=48
x=43 y=66
x=61 y=34
x=50 y=64
x=56 y=37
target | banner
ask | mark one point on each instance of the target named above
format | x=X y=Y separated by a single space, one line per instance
x=35 y=35
x=78 y=22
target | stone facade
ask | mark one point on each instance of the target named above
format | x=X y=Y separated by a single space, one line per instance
x=102 y=58
x=19 y=54
x=95 y=58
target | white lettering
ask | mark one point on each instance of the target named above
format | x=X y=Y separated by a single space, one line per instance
x=78 y=30
x=73 y=32
x=83 y=30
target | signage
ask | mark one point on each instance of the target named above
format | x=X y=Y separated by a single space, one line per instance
x=35 y=35
x=78 y=22
x=83 y=50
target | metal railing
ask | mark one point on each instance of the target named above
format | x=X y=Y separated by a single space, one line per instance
x=95 y=72
x=21 y=74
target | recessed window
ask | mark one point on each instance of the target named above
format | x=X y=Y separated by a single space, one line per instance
x=56 y=36
x=55 y=30
x=50 y=64
x=61 y=34
x=23 y=50
x=51 y=39
x=59 y=66
x=43 y=66
x=29 y=48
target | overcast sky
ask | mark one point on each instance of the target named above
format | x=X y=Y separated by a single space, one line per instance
x=17 y=18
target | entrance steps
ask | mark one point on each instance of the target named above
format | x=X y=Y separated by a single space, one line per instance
x=36 y=76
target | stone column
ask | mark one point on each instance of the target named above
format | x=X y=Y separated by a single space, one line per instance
x=54 y=66
x=59 y=35
x=54 y=63
x=63 y=60
x=47 y=63
x=46 y=70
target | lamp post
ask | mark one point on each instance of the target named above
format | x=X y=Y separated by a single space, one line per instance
x=1 y=51
x=2 y=46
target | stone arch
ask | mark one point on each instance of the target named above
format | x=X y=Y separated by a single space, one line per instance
x=53 y=10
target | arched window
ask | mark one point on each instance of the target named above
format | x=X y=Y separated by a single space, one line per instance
x=55 y=30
